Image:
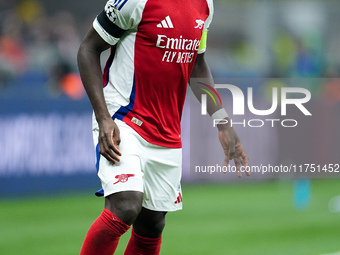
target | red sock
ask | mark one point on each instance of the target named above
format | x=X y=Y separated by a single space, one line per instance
x=139 y=245
x=103 y=236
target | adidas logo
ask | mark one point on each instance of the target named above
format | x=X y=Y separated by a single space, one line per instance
x=179 y=198
x=166 y=23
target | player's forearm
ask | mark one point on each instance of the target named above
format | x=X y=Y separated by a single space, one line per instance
x=91 y=75
x=199 y=88
x=201 y=82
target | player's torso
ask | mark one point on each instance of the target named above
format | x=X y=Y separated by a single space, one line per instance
x=165 y=45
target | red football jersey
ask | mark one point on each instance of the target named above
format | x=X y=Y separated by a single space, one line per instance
x=155 y=44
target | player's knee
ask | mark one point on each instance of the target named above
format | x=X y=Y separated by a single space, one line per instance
x=129 y=214
x=125 y=205
x=150 y=223
x=158 y=226
x=154 y=228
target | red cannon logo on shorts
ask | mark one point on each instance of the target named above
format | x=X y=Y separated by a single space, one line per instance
x=123 y=178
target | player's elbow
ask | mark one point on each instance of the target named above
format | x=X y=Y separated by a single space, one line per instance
x=81 y=53
x=200 y=68
x=84 y=53
x=196 y=70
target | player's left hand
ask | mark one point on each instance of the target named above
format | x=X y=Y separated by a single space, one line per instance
x=233 y=149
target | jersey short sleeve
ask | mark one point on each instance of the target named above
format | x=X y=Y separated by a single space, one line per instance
x=117 y=17
x=203 y=44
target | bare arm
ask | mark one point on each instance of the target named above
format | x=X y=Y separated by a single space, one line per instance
x=201 y=72
x=90 y=71
x=229 y=140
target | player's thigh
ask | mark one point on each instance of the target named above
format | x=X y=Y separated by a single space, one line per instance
x=127 y=174
x=122 y=182
x=162 y=179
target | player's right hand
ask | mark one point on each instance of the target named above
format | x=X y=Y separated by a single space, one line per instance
x=109 y=140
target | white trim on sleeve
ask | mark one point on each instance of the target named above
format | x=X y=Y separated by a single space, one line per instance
x=103 y=34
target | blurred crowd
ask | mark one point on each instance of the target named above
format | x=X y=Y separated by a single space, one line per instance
x=46 y=44
x=281 y=39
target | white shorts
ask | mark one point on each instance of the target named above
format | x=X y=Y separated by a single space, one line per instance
x=154 y=170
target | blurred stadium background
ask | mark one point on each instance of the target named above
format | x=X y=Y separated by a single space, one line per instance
x=47 y=174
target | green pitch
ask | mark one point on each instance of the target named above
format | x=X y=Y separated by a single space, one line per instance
x=245 y=219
